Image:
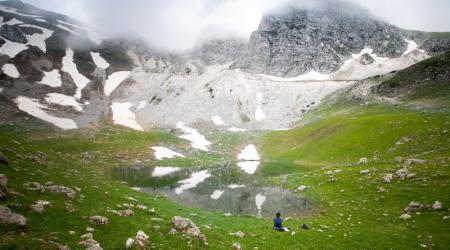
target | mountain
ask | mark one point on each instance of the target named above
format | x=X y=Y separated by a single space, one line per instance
x=59 y=70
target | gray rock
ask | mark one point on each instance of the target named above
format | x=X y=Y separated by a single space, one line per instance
x=294 y=41
x=3 y=182
x=436 y=46
x=437 y=205
x=405 y=216
x=366 y=59
x=13 y=33
x=363 y=161
x=9 y=217
x=3 y=159
x=186 y=226
x=388 y=178
x=414 y=206
x=70 y=193
x=98 y=220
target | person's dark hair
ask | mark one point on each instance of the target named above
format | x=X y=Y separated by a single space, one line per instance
x=278 y=214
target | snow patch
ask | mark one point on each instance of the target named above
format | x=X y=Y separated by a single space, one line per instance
x=367 y=50
x=197 y=140
x=234 y=129
x=249 y=167
x=36 y=109
x=13 y=22
x=123 y=116
x=217 y=121
x=70 y=67
x=52 y=79
x=411 y=47
x=114 y=80
x=216 y=194
x=15 y=11
x=11 y=49
x=249 y=153
x=64 y=100
x=99 y=60
x=234 y=186
x=10 y=70
x=195 y=179
x=162 y=152
x=259 y=114
x=38 y=40
x=310 y=76
x=163 y=171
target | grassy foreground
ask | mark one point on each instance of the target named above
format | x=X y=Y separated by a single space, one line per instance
x=353 y=212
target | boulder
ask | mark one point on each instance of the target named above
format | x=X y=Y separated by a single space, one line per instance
x=402 y=173
x=98 y=220
x=129 y=243
x=415 y=161
x=301 y=188
x=70 y=193
x=39 y=206
x=186 y=226
x=34 y=186
x=437 y=205
x=90 y=244
x=9 y=217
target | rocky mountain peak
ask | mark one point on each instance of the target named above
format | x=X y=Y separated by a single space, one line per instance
x=297 y=39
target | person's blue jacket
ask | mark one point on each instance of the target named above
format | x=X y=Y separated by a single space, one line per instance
x=278 y=223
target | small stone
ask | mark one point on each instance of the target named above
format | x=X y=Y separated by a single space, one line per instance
x=413 y=206
x=388 y=178
x=71 y=232
x=237 y=246
x=301 y=188
x=437 y=205
x=405 y=216
x=129 y=244
x=364 y=171
x=3 y=182
x=3 y=159
x=239 y=234
x=363 y=161
x=305 y=226
x=90 y=230
x=98 y=220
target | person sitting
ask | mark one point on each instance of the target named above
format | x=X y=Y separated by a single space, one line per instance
x=278 y=224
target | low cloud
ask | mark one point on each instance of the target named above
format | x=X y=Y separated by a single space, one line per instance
x=180 y=24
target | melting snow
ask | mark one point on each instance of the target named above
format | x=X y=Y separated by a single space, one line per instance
x=259 y=200
x=15 y=11
x=64 y=100
x=310 y=76
x=163 y=171
x=114 y=80
x=234 y=129
x=99 y=60
x=217 y=120
x=123 y=116
x=249 y=167
x=13 y=22
x=216 y=194
x=234 y=186
x=34 y=108
x=162 y=152
x=364 y=51
x=259 y=114
x=10 y=70
x=193 y=181
x=198 y=141
x=70 y=67
x=249 y=153
x=11 y=49
x=52 y=78
x=37 y=39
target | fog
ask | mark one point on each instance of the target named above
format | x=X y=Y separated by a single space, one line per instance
x=180 y=24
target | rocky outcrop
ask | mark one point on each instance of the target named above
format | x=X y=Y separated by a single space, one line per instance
x=188 y=227
x=219 y=51
x=436 y=46
x=9 y=217
x=13 y=33
x=294 y=41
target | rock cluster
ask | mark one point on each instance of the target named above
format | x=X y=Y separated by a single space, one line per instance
x=186 y=226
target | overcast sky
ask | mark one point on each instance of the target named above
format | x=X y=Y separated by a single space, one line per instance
x=179 y=24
